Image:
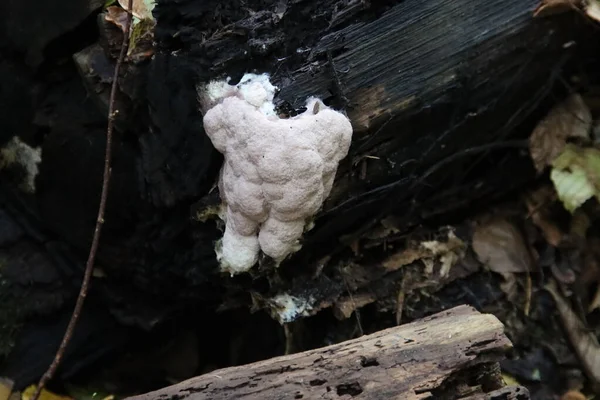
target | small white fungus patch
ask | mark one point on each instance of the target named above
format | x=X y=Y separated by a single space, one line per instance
x=277 y=172
x=19 y=152
x=255 y=89
x=286 y=308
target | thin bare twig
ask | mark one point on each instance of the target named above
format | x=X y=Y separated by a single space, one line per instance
x=89 y=266
x=356 y=310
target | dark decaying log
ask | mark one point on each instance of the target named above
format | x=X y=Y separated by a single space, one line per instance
x=421 y=81
x=424 y=82
x=449 y=355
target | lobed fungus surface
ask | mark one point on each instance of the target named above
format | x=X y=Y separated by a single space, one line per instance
x=277 y=172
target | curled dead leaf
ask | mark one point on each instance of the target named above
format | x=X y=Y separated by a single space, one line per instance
x=573 y=395
x=141 y=45
x=569 y=119
x=117 y=16
x=142 y=9
x=448 y=253
x=404 y=257
x=501 y=246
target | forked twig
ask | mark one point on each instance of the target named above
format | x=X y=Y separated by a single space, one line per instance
x=89 y=266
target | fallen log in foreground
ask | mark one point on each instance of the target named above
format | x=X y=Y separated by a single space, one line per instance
x=450 y=355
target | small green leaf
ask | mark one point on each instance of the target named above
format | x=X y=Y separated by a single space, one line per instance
x=576 y=176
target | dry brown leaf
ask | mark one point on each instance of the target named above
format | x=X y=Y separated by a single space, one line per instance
x=117 y=16
x=141 y=8
x=552 y=7
x=501 y=246
x=583 y=340
x=569 y=119
x=344 y=307
x=538 y=203
x=6 y=386
x=573 y=395
x=448 y=253
x=404 y=257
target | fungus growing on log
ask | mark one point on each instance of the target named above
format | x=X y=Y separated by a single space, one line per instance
x=277 y=172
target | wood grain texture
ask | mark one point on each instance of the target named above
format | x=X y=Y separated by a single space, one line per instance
x=415 y=53
x=420 y=360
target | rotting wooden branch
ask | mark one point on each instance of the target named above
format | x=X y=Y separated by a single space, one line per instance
x=442 y=354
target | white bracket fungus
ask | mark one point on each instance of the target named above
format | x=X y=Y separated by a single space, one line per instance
x=277 y=172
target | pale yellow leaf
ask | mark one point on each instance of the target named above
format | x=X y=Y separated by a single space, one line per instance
x=576 y=176
x=592 y=9
x=45 y=395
